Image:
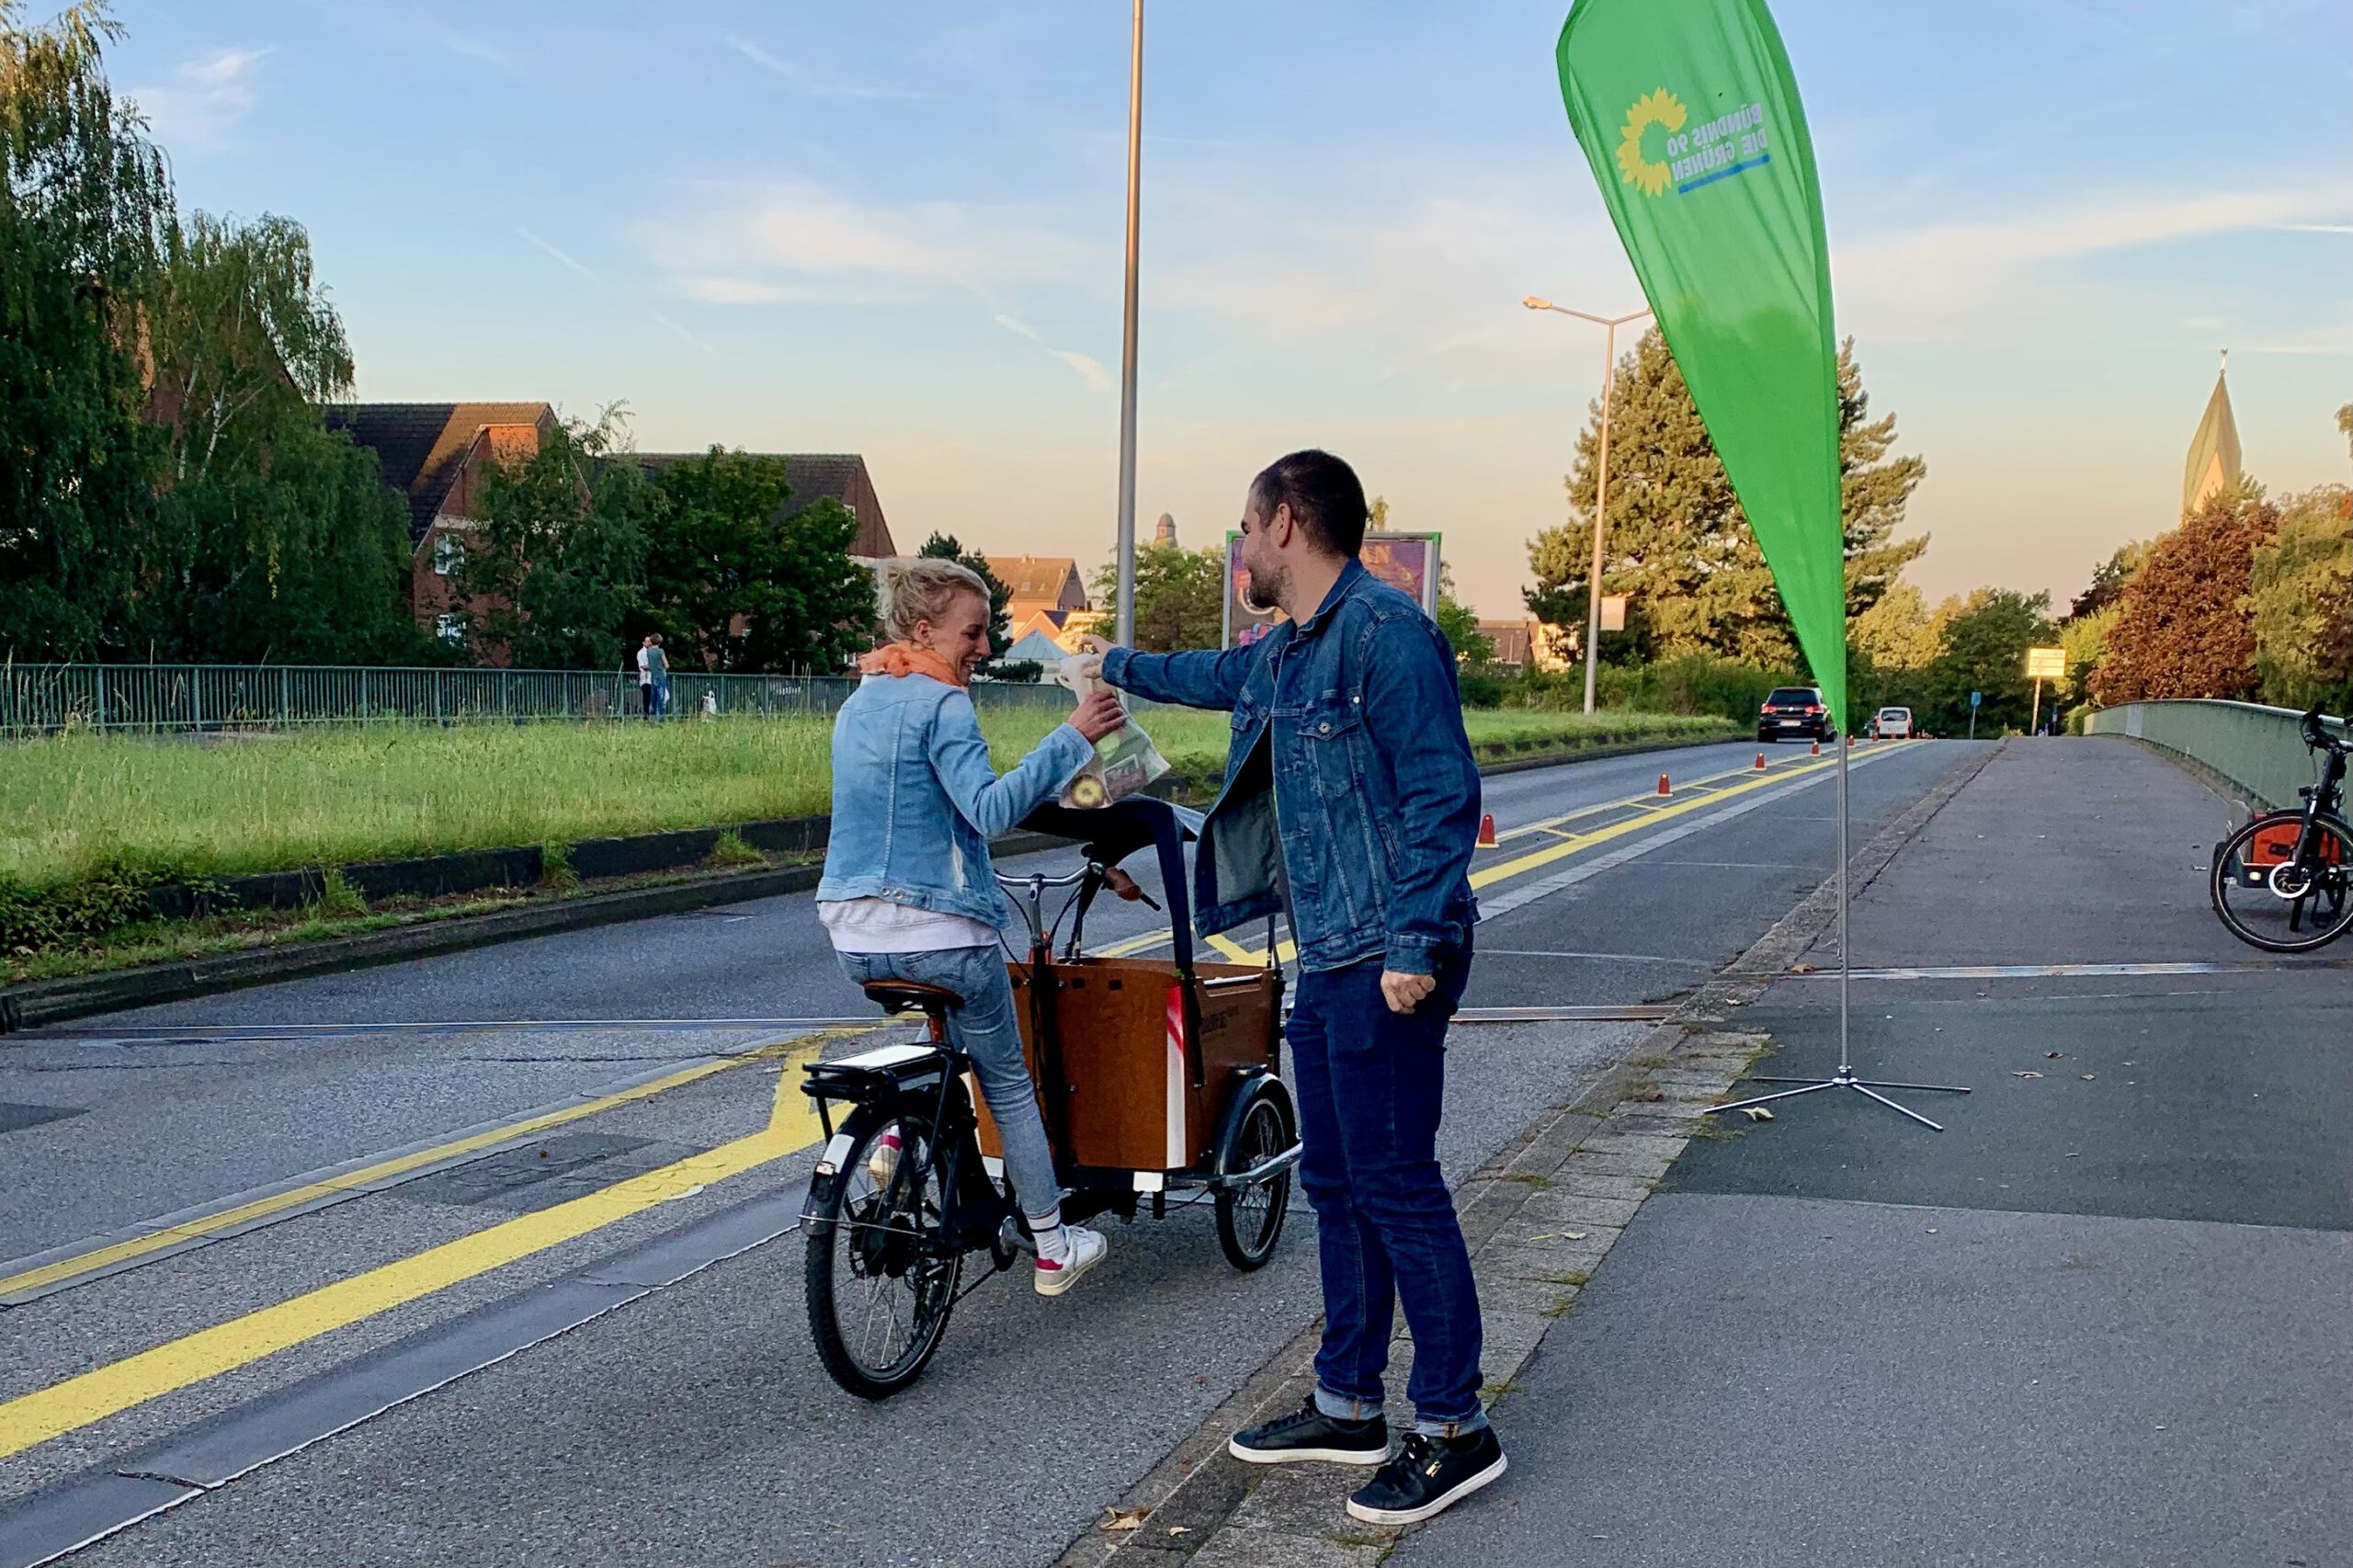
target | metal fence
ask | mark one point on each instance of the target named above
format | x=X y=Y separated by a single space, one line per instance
x=2259 y=749
x=45 y=699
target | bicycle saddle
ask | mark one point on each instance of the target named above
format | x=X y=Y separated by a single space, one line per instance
x=911 y=997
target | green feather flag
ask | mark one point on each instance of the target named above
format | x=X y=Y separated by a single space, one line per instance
x=1690 y=118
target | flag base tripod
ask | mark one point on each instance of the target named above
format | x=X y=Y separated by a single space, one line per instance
x=1845 y=1077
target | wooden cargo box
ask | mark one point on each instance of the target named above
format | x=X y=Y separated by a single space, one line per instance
x=1128 y=1097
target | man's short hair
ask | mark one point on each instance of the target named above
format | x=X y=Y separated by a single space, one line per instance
x=1324 y=494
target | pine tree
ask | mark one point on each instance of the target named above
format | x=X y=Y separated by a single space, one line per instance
x=1678 y=544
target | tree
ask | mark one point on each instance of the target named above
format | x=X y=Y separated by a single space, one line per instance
x=272 y=538
x=744 y=585
x=2108 y=581
x=2300 y=601
x=946 y=546
x=1896 y=633
x=1985 y=637
x=2182 y=626
x=1460 y=623
x=557 y=566
x=1678 y=541
x=83 y=202
x=1180 y=596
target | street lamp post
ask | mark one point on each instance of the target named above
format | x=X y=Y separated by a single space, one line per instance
x=1601 y=480
x=1126 y=629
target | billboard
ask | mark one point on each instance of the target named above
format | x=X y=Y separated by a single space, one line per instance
x=1407 y=561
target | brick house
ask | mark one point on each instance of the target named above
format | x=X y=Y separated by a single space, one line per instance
x=436 y=455
x=1048 y=583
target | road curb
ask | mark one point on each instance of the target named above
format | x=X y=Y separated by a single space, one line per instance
x=34 y=1004
x=1580 y=1171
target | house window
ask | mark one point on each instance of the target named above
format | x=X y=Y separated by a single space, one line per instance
x=450 y=628
x=449 y=554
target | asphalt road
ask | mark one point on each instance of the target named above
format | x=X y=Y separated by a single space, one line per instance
x=692 y=1423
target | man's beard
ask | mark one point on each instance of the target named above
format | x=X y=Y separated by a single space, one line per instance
x=1265 y=594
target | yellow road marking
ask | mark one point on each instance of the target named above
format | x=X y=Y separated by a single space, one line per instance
x=1502 y=870
x=1570 y=844
x=1133 y=945
x=1547 y=823
x=78 y=1401
x=295 y=1197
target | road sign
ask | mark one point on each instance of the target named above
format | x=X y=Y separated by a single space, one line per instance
x=1976 y=698
x=2046 y=663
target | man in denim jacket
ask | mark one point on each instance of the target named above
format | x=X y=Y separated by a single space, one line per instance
x=1350 y=795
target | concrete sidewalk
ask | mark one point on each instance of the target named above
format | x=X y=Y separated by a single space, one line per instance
x=2107 y=1316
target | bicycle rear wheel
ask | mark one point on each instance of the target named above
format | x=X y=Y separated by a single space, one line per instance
x=882 y=1269
x=2281 y=887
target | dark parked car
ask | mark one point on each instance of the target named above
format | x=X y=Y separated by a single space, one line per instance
x=1795 y=712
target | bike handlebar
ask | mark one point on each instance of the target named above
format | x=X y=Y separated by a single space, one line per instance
x=2319 y=739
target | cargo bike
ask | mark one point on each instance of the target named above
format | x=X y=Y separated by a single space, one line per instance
x=1159 y=1082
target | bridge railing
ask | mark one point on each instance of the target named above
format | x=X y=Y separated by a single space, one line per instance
x=45 y=699
x=2258 y=749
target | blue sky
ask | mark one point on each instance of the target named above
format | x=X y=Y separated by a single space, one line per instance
x=896 y=229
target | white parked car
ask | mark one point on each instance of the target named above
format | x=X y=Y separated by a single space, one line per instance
x=1891 y=724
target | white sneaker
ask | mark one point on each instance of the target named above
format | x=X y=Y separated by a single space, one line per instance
x=1087 y=1250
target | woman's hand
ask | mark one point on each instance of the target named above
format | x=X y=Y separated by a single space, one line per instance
x=1100 y=715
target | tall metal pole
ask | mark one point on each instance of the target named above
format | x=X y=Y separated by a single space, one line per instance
x=1845 y=953
x=1601 y=482
x=1126 y=629
x=1600 y=524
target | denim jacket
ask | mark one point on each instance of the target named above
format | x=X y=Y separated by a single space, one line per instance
x=915 y=800
x=1348 y=779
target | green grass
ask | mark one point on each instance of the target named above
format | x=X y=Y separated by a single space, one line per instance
x=73 y=806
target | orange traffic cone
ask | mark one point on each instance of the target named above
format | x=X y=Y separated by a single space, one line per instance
x=1816 y=751
x=1661 y=784
x=1487 y=832
x=1760 y=761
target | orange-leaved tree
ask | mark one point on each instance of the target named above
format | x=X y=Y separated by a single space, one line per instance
x=2183 y=628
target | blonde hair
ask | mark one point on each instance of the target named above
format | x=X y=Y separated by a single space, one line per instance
x=922 y=589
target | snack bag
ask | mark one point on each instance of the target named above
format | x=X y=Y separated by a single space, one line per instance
x=1124 y=761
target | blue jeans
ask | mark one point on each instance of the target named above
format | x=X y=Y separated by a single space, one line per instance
x=1370 y=1084
x=986 y=1029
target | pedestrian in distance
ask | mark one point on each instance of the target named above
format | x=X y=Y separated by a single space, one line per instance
x=1351 y=796
x=909 y=892
x=645 y=675
x=657 y=665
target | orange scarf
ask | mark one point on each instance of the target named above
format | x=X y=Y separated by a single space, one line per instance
x=909 y=659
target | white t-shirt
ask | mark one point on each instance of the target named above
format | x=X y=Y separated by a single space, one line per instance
x=644 y=665
x=877 y=925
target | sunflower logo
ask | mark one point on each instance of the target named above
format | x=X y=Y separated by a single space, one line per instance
x=1662 y=109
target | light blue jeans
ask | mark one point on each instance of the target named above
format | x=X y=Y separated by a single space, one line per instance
x=986 y=1029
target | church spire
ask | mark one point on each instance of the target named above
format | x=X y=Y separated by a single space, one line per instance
x=2215 y=450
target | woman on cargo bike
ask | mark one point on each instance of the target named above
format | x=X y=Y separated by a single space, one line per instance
x=909 y=894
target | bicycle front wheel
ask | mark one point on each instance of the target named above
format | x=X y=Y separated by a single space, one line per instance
x=881 y=1269
x=2284 y=887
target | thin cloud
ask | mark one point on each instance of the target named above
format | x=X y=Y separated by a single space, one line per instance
x=207 y=95
x=564 y=257
x=1089 y=369
x=793 y=232
x=811 y=82
x=2313 y=228
x=598 y=278
x=732 y=291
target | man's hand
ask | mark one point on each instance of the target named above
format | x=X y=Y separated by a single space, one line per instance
x=1100 y=715
x=1403 y=993
x=1099 y=646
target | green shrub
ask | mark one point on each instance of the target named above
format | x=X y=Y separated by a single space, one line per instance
x=1483 y=688
x=555 y=866
x=337 y=900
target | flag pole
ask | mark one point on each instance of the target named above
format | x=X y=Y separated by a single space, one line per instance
x=1845 y=1077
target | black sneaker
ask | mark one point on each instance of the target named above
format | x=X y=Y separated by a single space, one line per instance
x=1429 y=1475
x=1309 y=1434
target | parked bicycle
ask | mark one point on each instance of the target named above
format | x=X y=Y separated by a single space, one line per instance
x=2284 y=883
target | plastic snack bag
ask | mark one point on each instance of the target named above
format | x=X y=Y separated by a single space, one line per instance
x=1124 y=761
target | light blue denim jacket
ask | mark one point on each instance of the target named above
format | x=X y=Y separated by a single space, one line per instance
x=1348 y=752
x=915 y=800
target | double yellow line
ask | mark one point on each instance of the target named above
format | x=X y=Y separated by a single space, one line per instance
x=118 y=1386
